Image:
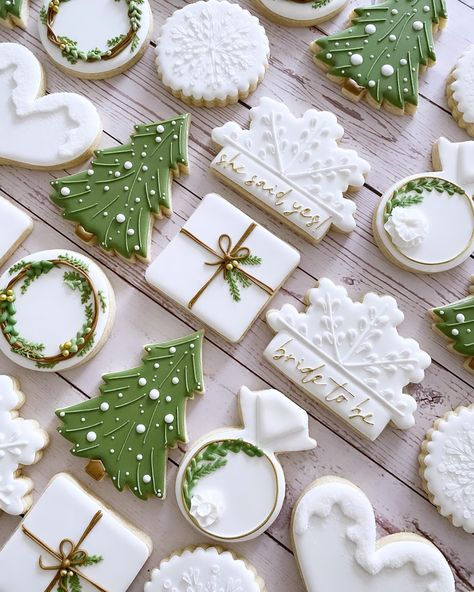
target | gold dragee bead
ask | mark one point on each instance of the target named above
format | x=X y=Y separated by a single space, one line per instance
x=63 y=573
x=3 y=296
x=11 y=298
x=67 y=563
x=235 y=263
x=9 y=292
x=229 y=266
x=70 y=573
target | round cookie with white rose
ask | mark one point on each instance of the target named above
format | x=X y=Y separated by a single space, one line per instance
x=299 y=13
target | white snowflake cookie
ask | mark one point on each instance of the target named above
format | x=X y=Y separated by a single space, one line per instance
x=55 y=131
x=209 y=569
x=336 y=546
x=349 y=356
x=425 y=223
x=212 y=53
x=21 y=443
x=447 y=466
x=292 y=166
x=460 y=91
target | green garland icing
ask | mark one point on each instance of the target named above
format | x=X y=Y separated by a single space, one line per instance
x=320 y=3
x=138 y=416
x=117 y=198
x=236 y=279
x=384 y=47
x=457 y=324
x=10 y=8
x=412 y=193
x=211 y=459
x=72 y=583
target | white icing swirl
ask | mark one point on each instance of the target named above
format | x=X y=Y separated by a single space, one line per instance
x=407 y=227
x=206 y=509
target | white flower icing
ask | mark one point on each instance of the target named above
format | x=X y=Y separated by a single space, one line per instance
x=207 y=509
x=408 y=227
x=463 y=85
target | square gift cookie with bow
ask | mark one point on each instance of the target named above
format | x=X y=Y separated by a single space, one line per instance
x=223 y=267
x=71 y=541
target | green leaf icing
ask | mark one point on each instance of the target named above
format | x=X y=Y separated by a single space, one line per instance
x=138 y=416
x=116 y=199
x=10 y=7
x=211 y=459
x=72 y=583
x=320 y=3
x=457 y=323
x=384 y=47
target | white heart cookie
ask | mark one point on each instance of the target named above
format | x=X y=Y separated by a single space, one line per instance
x=334 y=534
x=41 y=132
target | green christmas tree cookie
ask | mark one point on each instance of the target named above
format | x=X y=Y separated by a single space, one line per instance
x=456 y=322
x=116 y=200
x=138 y=416
x=14 y=12
x=384 y=51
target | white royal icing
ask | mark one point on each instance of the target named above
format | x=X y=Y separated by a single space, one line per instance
x=92 y=25
x=15 y=225
x=46 y=132
x=449 y=467
x=203 y=570
x=334 y=532
x=293 y=165
x=212 y=50
x=349 y=356
x=20 y=442
x=463 y=85
x=407 y=227
x=181 y=269
x=245 y=495
x=302 y=13
x=50 y=312
x=63 y=512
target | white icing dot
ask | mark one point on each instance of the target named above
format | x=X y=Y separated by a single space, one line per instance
x=392 y=37
x=426 y=8
x=329 y=55
x=455 y=332
x=62 y=414
x=130 y=232
x=156 y=365
x=168 y=399
x=172 y=350
x=158 y=139
x=120 y=218
x=104 y=406
x=140 y=428
x=191 y=345
x=127 y=165
x=142 y=381
x=91 y=436
x=403 y=62
x=370 y=29
x=441 y=312
x=371 y=83
x=387 y=70
x=417 y=25
x=144 y=168
x=117 y=174
x=90 y=172
x=356 y=59
x=146 y=479
x=152 y=192
x=160 y=128
x=154 y=394
x=139 y=456
x=65 y=191
x=460 y=318
x=394 y=11
x=175 y=380
x=106 y=187
x=169 y=418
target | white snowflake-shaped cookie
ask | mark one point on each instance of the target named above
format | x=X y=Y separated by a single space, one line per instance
x=21 y=442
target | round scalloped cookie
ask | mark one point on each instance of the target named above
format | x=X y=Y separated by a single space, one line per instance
x=460 y=91
x=299 y=13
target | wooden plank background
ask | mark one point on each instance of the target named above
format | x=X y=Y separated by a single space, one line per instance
x=387 y=469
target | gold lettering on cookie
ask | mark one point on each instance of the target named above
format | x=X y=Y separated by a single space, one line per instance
x=357 y=412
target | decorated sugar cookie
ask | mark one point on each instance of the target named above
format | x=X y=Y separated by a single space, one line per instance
x=447 y=465
x=71 y=541
x=381 y=55
x=95 y=39
x=292 y=166
x=223 y=267
x=14 y=12
x=117 y=199
x=56 y=310
x=230 y=485
x=212 y=53
x=15 y=226
x=349 y=356
x=334 y=536
x=127 y=430
x=205 y=569
x=456 y=322
x=41 y=132
x=460 y=91
x=300 y=13
x=425 y=223
x=21 y=443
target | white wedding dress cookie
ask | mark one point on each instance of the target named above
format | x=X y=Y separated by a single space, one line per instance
x=460 y=91
x=97 y=39
x=300 y=13
x=446 y=466
x=41 y=132
x=334 y=535
x=21 y=443
x=15 y=226
x=212 y=53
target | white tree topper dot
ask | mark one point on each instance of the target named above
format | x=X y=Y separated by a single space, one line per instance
x=292 y=166
x=230 y=485
x=349 y=356
x=21 y=443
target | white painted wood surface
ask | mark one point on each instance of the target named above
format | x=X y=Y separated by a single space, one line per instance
x=387 y=469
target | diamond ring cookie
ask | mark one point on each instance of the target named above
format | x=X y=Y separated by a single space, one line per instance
x=299 y=13
x=56 y=310
x=22 y=442
x=15 y=226
x=334 y=537
x=460 y=91
x=72 y=541
x=14 y=12
x=95 y=40
x=349 y=356
x=382 y=53
x=212 y=53
x=230 y=485
x=292 y=166
x=425 y=223
x=205 y=568
x=49 y=132
x=447 y=465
